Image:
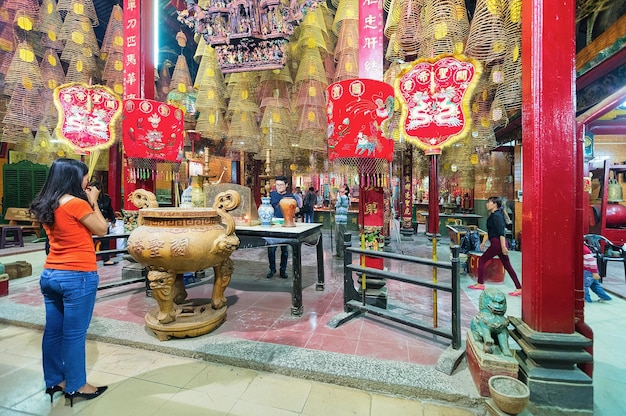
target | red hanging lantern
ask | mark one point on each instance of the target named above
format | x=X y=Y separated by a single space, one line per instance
x=357 y=111
x=155 y=130
x=87 y=114
x=434 y=95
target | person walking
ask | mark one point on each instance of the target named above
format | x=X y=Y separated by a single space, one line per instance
x=308 y=205
x=276 y=195
x=497 y=247
x=68 y=209
x=341 y=220
x=591 y=276
x=104 y=203
x=297 y=195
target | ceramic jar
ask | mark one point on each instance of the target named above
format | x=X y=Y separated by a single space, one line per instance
x=266 y=211
x=197 y=193
x=288 y=207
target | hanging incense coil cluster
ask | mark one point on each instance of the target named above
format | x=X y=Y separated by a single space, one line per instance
x=509 y=93
x=81 y=46
x=315 y=65
x=16 y=134
x=409 y=27
x=24 y=81
x=52 y=76
x=445 y=27
x=50 y=24
x=112 y=51
x=276 y=124
x=82 y=7
x=487 y=41
x=210 y=102
x=181 y=78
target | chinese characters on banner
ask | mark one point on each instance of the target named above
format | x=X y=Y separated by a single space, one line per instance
x=435 y=96
x=87 y=114
x=371 y=39
x=407 y=191
x=372 y=200
x=358 y=111
x=154 y=130
x=132 y=49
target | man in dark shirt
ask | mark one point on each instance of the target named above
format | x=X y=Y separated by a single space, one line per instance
x=275 y=196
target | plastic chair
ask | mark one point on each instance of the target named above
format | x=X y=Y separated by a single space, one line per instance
x=600 y=246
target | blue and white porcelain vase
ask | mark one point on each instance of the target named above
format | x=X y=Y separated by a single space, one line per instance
x=266 y=211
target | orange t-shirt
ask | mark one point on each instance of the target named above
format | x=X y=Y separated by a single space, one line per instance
x=71 y=243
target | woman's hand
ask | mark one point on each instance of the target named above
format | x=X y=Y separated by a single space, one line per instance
x=92 y=195
x=505 y=251
x=482 y=246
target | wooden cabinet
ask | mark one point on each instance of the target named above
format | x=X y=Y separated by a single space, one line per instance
x=22 y=181
x=604 y=214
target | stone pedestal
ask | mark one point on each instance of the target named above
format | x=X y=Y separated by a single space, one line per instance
x=548 y=366
x=376 y=292
x=18 y=269
x=484 y=365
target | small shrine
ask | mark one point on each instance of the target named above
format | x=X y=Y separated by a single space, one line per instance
x=248 y=35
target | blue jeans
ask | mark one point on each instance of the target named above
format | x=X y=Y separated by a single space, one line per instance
x=308 y=216
x=284 y=254
x=70 y=297
x=593 y=284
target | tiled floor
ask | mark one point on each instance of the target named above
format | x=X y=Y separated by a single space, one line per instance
x=264 y=314
x=148 y=382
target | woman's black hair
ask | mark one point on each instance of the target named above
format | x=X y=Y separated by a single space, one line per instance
x=65 y=177
x=496 y=200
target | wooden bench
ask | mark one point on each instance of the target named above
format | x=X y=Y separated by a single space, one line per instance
x=17 y=217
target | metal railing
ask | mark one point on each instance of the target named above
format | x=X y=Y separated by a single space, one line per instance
x=355 y=302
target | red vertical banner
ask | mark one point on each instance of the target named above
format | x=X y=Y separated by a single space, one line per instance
x=132 y=82
x=371 y=39
x=132 y=49
x=372 y=200
x=407 y=189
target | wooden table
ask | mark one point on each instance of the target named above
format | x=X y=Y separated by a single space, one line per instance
x=277 y=235
x=468 y=219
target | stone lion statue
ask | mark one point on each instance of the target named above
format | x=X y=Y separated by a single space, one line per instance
x=490 y=325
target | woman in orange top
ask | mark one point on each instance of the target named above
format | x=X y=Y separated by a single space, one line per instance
x=68 y=209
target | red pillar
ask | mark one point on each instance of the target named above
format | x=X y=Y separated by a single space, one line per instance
x=138 y=69
x=114 y=176
x=551 y=217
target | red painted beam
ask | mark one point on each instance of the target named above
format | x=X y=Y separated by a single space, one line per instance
x=608 y=127
x=600 y=70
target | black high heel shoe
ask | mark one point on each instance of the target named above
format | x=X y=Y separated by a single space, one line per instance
x=86 y=396
x=52 y=390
